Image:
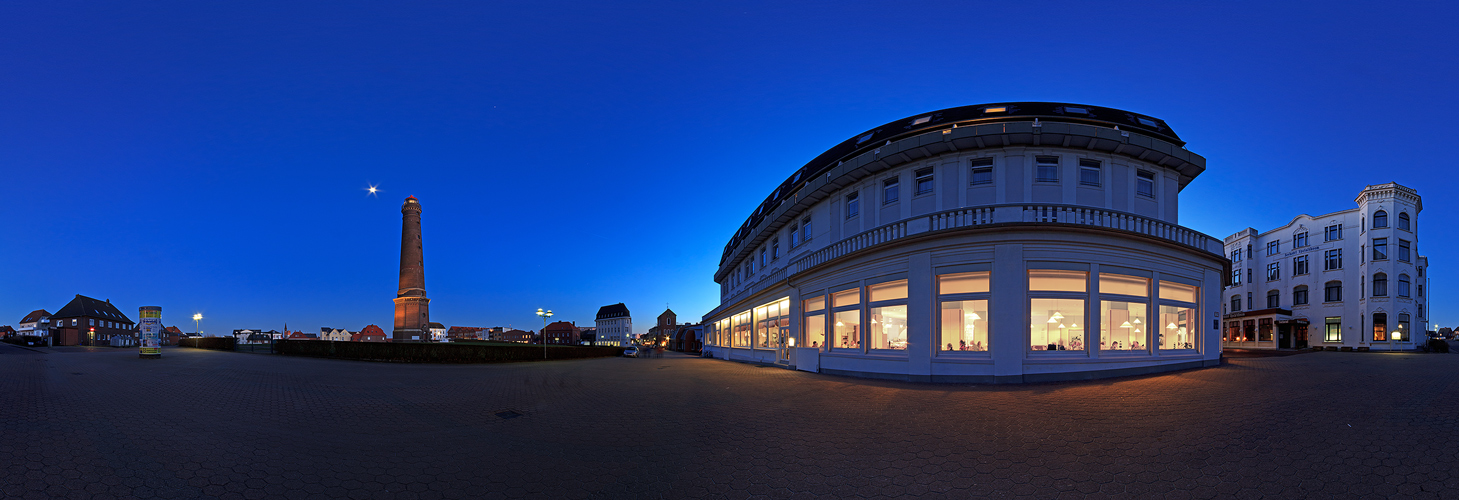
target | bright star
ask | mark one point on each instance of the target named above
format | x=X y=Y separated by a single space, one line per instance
x=374 y=188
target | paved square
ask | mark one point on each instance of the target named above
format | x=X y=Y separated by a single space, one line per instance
x=105 y=424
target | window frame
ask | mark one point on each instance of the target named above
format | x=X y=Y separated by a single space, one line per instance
x=985 y=296
x=1299 y=240
x=1330 y=231
x=1086 y=166
x=891 y=190
x=975 y=166
x=924 y=178
x=1332 y=292
x=1142 y=179
x=1301 y=265
x=853 y=205
x=1380 y=248
x=1299 y=295
x=1380 y=219
x=1040 y=166
x=1082 y=296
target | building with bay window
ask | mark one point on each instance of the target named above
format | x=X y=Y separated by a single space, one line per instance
x=1009 y=242
x=1349 y=280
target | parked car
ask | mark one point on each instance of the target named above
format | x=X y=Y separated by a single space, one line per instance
x=631 y=352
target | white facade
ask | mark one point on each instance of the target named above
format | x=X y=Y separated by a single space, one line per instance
x=335 y=334
x=614 y=331
x=1005 y=250
x=1347 y=280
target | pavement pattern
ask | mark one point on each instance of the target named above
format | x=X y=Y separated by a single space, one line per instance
x=105 y=424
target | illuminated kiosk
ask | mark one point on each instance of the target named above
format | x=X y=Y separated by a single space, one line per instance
x=1012 y=242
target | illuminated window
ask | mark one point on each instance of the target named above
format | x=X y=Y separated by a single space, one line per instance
x=1123 y=326
x=1380 y=327
x=1333 y=329
x=1264 y=330
x=815 y=321
x=892 y=290
x=1056 y=324
x=975 y=282
x=888 y=305
x=1124 y=285
x=1170 y=290
x=846 y=313
x=1049 y=280
x=1177 y=327
x=964 y=325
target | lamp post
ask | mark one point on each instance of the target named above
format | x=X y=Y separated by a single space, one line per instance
x=544 y=316
x=197 y=321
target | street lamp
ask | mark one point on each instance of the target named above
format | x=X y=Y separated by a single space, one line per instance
x=198 y=320
x=544 y=316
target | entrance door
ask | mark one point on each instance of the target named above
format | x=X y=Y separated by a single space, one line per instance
x=782 y=347
x=1299 y=333
x=1284 y=336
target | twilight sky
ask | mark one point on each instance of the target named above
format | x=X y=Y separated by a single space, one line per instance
x=213 y=156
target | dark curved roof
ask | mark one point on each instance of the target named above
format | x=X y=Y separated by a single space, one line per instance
x=948 y=118
x=613 y=311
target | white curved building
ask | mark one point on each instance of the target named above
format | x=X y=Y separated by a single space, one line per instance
x=1010 y=242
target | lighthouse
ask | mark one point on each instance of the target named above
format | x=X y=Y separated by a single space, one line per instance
x=412 y=311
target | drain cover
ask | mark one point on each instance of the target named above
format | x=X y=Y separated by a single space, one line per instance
x=509 y=414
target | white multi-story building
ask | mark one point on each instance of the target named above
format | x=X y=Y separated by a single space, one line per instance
x=1349 y=280
x=993 y=243
x=615 y=325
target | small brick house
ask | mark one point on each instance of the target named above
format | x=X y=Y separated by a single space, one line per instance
x=88 y=321
x=371 y=333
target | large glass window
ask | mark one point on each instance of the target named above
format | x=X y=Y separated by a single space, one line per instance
x=1401 y=332
x=742 y=329
x=1380 y=327
x=1380 y=248
x=1299 y=295
x=1049 y=280
x=815 y=321
x=847 y=331
x=888 y=306
x=964 y=325
x=1380 y=285
x=1299 y=240
x=1332 y=292
x=1170 y=290
x=1178 y=327
x=1403 y=220
x=1124 y=285
x=1332 y=259
x=1333 y=332
x=1333 y=232
x=1299 y=265
x=1273 y=299
x=1380 y=219
x=1274 y=271
x=1056 y=324
x=1123 y=325
x=889 y=327
x=1264 y=329
x=1273 y=248
x=964 y=311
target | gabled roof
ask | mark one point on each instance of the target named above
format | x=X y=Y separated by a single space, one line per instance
x=35 y=316
x=6 y=329
x=435 y=325
x=87 y=307
x=613 y=311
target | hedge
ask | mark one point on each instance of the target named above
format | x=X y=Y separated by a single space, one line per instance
x=214 y=343
x=438 y=352
x=28 y=340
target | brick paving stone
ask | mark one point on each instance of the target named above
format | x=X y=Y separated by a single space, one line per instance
x=101 y=423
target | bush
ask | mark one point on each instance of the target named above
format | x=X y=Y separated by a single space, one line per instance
x=1438 y=345
x=214 y=343
x=26 y=340
x=438 y=352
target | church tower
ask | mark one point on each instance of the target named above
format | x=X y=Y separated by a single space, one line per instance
x=412 y=311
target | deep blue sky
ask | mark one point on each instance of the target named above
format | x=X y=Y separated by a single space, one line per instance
x=212 y=156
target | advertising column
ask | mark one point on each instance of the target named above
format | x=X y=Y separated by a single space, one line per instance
x=151 y=327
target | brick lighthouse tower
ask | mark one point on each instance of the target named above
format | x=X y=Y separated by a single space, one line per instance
x=412 y=311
